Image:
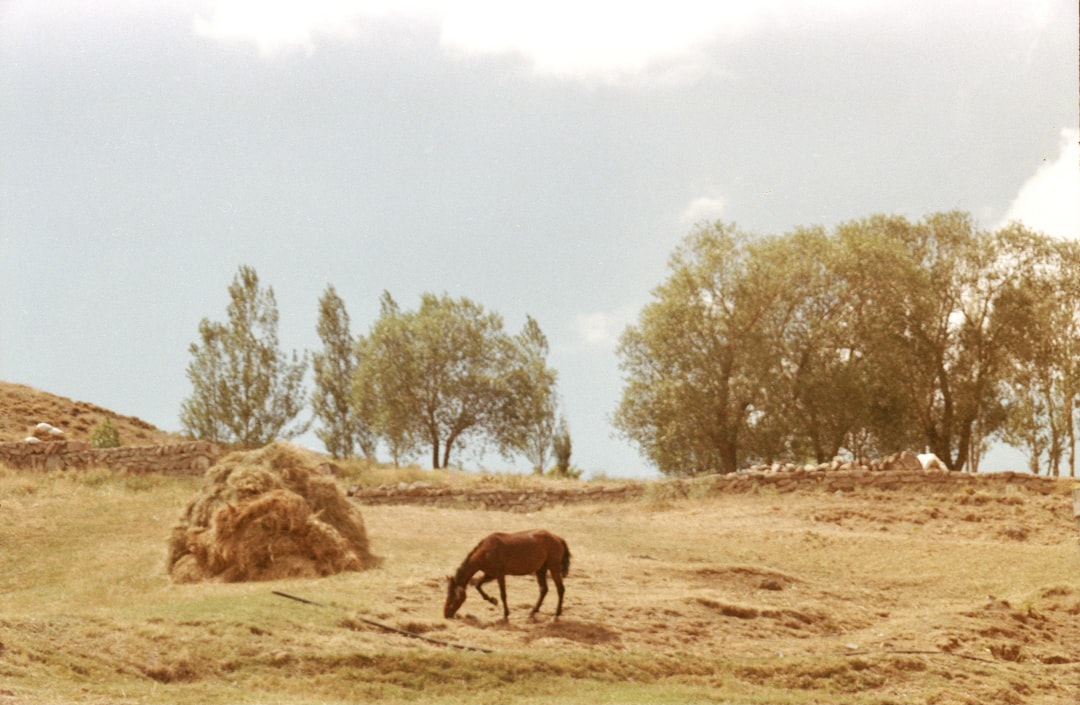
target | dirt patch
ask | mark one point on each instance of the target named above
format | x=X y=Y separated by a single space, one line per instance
x=744 y=578
x=265 y=515
x=577 y=631
x=1042 y=630
x=1002 y=512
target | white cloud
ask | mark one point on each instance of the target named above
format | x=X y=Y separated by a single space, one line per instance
x=602 y=328
x=557 y=37
x=274 y=27
x=575 y=38
x=568 y=38
x=284 y=26
x=705 y=208
x=1050 y=200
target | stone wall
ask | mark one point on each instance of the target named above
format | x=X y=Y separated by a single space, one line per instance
x=804 y=479
x=862 y=478
x=191 y=458
x=516 y=500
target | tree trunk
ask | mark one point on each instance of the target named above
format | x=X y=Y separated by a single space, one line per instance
x=1072 y=440
x=728 y=457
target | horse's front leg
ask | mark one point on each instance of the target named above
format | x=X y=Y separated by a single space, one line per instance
x=479 y=588
x=541 y=579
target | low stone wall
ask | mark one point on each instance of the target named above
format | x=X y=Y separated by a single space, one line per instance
x=517 y=500
x=861 y=478
x=535 y=498
x=191 y=458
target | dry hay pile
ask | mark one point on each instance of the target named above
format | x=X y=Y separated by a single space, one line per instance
x=265 y=515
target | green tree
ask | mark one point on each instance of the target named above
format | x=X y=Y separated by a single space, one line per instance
x=1042 y=383
x=529 y=419
x=448 y=377
x=384 y=380
x=342 y=429
x=816 y=358
x=933 y=326
x=246 y=391
x=695 y=361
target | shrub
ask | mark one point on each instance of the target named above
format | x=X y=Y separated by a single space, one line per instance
x=563 y=447
x=569 y=472
x=105 y=435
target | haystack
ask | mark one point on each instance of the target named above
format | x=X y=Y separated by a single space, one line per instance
x=264 y=515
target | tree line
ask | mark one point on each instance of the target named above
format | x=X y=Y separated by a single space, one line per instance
x=878 y=335
x=446 y=377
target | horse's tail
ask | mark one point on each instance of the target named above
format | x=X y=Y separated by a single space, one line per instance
x=565 y=558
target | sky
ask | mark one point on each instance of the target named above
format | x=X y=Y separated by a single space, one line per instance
x=541 y=159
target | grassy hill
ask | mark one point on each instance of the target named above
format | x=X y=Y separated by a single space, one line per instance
x=23 y=407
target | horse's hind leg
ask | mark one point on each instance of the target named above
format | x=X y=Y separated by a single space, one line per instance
x=557 y=576
x=541 y=579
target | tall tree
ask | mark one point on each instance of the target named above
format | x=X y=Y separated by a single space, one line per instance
x=1042 y=383
x=384 y=381
x=530 y=426
x=811 y=331
x=934 y=326
x=447 y=376
x=693 y=364
x=342 y=430
x=246 y=391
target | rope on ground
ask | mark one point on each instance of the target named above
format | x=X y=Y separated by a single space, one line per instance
x=387 y=627
x=921 y=652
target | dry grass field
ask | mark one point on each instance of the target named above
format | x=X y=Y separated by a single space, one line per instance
x=898 y=597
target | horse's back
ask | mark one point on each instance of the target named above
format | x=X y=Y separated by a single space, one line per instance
x=524 y=552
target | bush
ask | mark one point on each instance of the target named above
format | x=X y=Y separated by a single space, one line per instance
x=563 y=447
x=105 y=435
x=569 y=472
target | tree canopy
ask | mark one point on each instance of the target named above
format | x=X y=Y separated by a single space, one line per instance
x=342 y=430
x=245 y=391
x=882 y=335
x=447 y=376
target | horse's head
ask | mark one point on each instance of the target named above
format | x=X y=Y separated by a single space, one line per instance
x=455 y=597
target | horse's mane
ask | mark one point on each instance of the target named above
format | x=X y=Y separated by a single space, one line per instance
x=464 y=567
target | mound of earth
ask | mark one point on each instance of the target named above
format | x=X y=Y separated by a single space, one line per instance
x=264 y=515
x=22 y=408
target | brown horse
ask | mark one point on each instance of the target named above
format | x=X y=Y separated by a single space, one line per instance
x=524 y=553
